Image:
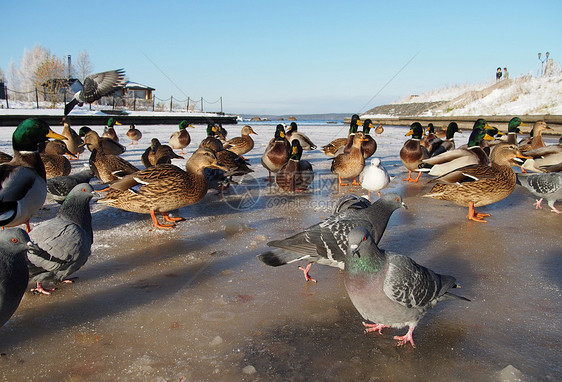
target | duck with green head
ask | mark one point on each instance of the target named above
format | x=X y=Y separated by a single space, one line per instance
x=109 y=130
x=438 y=146
x=369 y=145
x=180 y=139
x=466 y=155
x=338 y=145
x=412 y=153
x=296 y=174
x=294 y=133
x=277 y=152
x=23 y=185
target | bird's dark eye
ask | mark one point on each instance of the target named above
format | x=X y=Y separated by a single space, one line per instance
x=83 y=190
x=14 y=240
x=364 y=238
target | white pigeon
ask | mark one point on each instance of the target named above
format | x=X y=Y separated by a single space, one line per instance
x=374 y=177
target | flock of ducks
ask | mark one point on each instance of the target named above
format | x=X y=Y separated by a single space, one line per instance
x=472 y=175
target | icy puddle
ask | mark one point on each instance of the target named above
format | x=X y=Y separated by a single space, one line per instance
x=194 y=303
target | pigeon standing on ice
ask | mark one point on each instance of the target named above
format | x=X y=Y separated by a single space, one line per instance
x=14 y=275
x=63 y=242
x=59 y=186
x=391 y=290
x=96 y=86
x=326 y=242
x=544 y=186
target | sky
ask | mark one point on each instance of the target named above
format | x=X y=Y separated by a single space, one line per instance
x=290 y=57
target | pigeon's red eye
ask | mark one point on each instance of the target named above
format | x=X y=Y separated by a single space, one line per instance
x=364 y=238
x=14 y=240
x=397 y=199
x=83 y=190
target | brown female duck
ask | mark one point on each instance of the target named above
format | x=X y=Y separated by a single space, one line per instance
x=56 y=164
x=108 y=145
x=479 y=185
x=536 y=141
x=349 y=165
x=158 y=153
x=73 y=141
x=163 y=188
x=241 y=145
x=106 y=167
x=412 y=153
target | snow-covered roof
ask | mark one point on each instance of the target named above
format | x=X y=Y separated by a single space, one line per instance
x=137 y=86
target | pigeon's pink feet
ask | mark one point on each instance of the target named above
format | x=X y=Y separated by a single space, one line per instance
x=538 y=204
x=403 y=340
x=306 y=275
x=374 y=327
x=555 y=210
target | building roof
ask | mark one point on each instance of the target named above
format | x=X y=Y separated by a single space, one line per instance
x=136 y=86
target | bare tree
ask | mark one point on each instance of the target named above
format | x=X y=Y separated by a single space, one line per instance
x=83 y=66
x=50 y=76
x=22 y=78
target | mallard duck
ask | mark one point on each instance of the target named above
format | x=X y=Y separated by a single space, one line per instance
x=479 y=185
x=56 y=164
x=276 y=153
x=513 y=130
x=134 y=134
x=241 y=145
x=212 y=142
x=463 y=156
x=369 y=145
x=163 y=188
x=379 y=130
x=158 y=153
x=439 y=133
x=412 y=153
x=374 y=177
x=438 y=146
x=293 y=133
x=73 y=141
x=296 y=174
x=181 y=139
x=428 y=136
x=349 y=165
x=106 y=167
x=109 y=130
x=23 y=187
x=336 y=147
x=543 y=158
x=108 y=145
x=537 y=140
x=96 y=86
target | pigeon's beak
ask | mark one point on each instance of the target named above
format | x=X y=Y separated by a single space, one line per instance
x=404 y=205
x=354 y=249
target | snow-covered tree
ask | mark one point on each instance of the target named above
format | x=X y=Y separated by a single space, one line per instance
x=82 y=66
x=50 y=76
x=22 y=79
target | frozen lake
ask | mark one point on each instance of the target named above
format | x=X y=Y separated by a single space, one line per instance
x=194 y=303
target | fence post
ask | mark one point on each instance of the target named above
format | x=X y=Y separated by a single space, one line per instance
x=201 y=104
x=188 y=104
x=221 y=104
x=7 y=103
x=134 y=101
x=153 y=102
x=36 y=98
x=113 y=102
x=171 y=102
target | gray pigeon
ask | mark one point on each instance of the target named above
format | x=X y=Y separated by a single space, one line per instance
x=59 y=186
x=14 y=275
x=326 y=242
x=391 y=290
x=544 y=186
x=96 y=86
x=63 y=242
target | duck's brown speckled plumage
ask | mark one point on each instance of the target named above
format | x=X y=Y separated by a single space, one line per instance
x=277 y=151
x=134 y=134
x=296 y=174
x=537 y=141
x=164 y=187
x=73 y=141
x=158 y=153
x=480 y=184
x=241 y=145
x=56 y=164
x=106 y=167
x=350 y=165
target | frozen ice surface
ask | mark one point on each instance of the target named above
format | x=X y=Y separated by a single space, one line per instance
x=194 y=303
